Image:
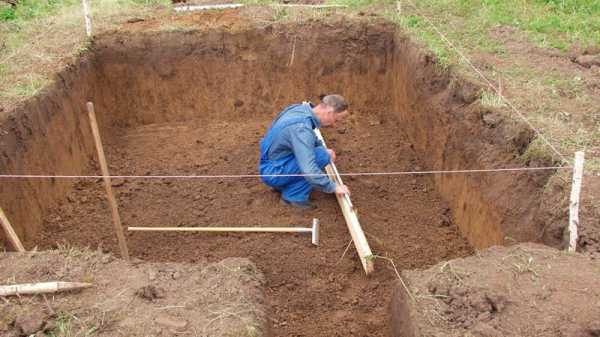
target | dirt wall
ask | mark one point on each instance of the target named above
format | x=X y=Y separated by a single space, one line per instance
x=450 y=130
x=141 y=77
x=169 y=76
x=48 y=134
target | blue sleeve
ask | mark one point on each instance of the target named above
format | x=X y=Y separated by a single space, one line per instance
x=303 y=140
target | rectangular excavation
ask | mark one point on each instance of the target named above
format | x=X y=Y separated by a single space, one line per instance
x=197 y=102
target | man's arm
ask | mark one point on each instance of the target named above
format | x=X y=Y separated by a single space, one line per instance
x=303 y=140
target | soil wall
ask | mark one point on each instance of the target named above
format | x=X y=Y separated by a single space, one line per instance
x=151 y=77
x=169 y=76
x=48 y=134
x=450 y=130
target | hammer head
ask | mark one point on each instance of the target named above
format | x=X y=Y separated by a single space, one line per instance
x=315 y=232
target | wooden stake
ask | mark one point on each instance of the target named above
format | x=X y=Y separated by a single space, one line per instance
x=107 y=185
x=10 y=233
x=87 y=18
x=574 y=204
x=358 y=236
x=41 y=288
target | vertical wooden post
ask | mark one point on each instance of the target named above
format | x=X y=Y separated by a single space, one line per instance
x=10 y=233
x=87 y=18
x=107 y=185
x=574 y=203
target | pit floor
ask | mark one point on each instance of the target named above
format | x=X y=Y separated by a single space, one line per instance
x=310 y=291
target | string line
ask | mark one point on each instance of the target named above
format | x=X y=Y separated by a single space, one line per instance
x=225 y=176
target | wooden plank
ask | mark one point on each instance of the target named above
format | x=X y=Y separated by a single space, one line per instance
x=12 y=236
x=356 y=232
x=107 y=185
x=41 y=288
x=574 y=203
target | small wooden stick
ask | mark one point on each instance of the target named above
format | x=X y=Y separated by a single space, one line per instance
x=10 y=233
x=87 y=18
x=293 y=51
x=107 y=185
x=574 y=204
x=41 y=288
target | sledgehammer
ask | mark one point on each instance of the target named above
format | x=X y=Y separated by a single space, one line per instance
x=314 y=230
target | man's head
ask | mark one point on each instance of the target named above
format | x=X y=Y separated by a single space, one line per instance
x=333 y=108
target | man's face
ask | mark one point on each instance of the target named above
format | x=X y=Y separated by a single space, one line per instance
x=332 y=117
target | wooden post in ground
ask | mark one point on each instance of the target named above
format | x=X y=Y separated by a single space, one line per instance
x=358 y=236
x=10 y=233
x=107 y=184
x=574 y=203
x=87 y=18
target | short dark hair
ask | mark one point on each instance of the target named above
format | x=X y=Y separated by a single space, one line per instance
x=337 y=102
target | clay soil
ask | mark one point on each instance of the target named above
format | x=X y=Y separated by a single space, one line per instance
x=311 y=291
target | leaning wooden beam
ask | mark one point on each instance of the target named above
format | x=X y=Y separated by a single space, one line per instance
x=358 y=236
x=41 y=288
x=107 y=185
x=10 y=233
x=574 y=204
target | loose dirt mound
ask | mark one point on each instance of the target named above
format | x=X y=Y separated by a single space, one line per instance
x=142 y=299
x=524 y=290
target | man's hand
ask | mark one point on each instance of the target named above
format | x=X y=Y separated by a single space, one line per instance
x=342 y=189
x=331 y=155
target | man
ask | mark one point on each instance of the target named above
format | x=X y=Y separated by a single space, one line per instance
x=291 y=147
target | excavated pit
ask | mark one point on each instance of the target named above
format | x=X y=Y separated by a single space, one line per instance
x=197 y=102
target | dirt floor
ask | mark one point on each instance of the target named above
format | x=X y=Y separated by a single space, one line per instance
x=310 y=291
x=523 y=290
x=141 y=299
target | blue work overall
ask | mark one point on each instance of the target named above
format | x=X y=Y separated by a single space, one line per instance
x=295 y=188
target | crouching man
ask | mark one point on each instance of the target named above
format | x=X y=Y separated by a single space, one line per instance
x=290 y=147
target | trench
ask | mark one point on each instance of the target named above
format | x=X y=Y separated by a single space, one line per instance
x=197 y=102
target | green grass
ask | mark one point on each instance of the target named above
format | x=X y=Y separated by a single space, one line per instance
x=39 y=35
x=554 y=101
x=550 y=23
x=30 y=9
